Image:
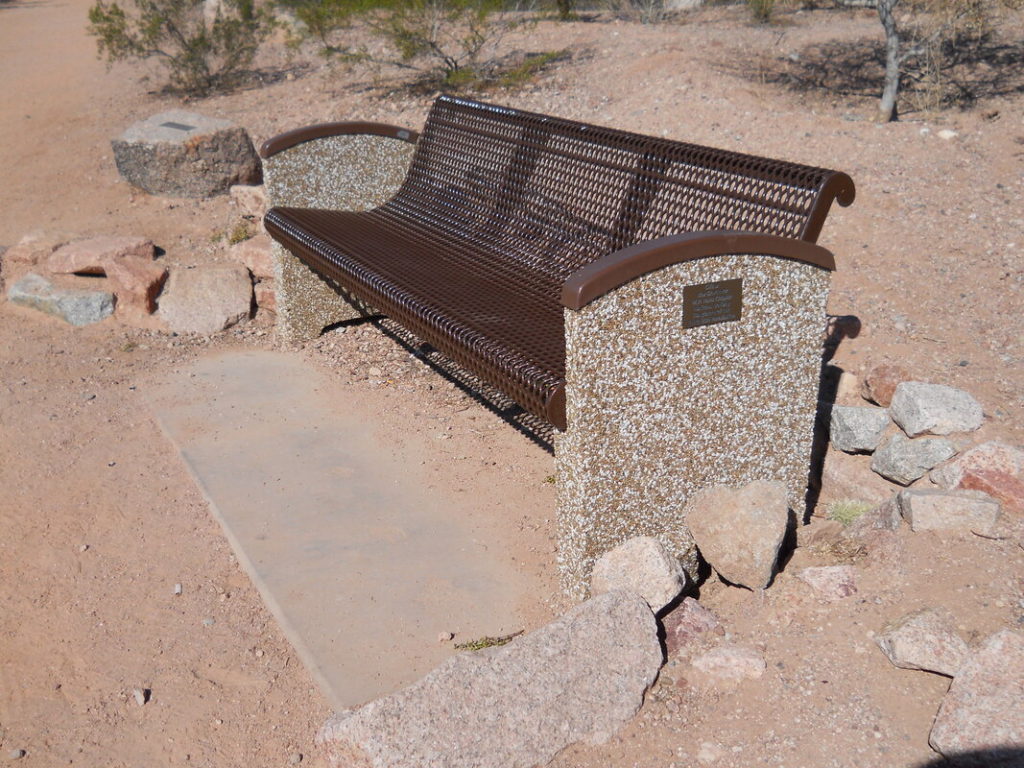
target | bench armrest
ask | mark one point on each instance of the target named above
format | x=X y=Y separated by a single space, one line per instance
x=289 y=139
x=617 y=269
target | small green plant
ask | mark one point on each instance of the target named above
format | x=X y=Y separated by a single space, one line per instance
x=205 y=48
x=450 y=37
x=761 y=10
x=242 y=231
x=322 y=19
x=550 y=479
x=845 y=511
x=487 y=642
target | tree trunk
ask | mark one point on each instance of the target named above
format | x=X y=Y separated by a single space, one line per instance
x=887 y=106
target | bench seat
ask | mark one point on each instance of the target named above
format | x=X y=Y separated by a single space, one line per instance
x=458 y=294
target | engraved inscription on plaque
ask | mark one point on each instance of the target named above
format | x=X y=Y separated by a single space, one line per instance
x=178 y=126
x=710 y=303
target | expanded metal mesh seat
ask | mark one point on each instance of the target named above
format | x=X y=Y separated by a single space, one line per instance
x=500 y=207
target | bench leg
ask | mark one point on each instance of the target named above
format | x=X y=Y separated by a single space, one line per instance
x=305 y=303
x=657 y=411
x=347 y=173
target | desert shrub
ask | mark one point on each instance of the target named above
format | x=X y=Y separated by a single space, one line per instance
x=761 y=10
x=454 y=39
x=566 y=9
x=644 y=11
x=924 y=37
x=203 y=51
x=323 y=19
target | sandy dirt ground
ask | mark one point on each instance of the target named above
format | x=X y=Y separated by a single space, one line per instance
x=99 y=520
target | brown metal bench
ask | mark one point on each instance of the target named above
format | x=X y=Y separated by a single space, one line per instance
x=507 y=225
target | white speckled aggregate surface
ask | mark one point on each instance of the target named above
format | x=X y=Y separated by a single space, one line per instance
x=348 y=173
x=656 y=411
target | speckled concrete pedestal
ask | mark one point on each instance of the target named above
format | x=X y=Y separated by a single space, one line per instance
x=657 y=411
x=345 y=173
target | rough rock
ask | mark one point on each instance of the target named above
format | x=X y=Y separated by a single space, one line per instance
x=643 y=565
x=832 y=582
x=739 y=530
x=266 y=295
x=686 y=623
x=849 y=476
x=580 y=678
x=886 y=516
x=993 y=467
x=881 y=381
x=925 y=640
x=251 y=200
x=857 y=429
x=726 y=666
x=90 y=256
x=33 y=248
x=934 y=409
x=982 y=711
x=207 y=298
x=992 y=456
x=903 y=460
x=931 y=510
x=136 y=283
x=183 y=154
x=255 y=254
x=76 y=306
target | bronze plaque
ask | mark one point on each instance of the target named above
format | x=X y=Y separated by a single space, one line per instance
x=710 y=303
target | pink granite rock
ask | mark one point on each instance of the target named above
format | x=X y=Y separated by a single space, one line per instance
x=992 y=467
x=831 y=582
x=136 y=282
x=254 y=253
x=206 y=298
x=580 y=678
x=90 y=256
x=643 y=565
x=251 y=200
x=925 y=640
x=983 y=712
x=879 y=383
x=266 y=295
x=739 y=530
x=34 y=247
x=686 y=624
x=726 y=666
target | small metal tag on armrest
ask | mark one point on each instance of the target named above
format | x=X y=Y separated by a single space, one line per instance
x=711 y=303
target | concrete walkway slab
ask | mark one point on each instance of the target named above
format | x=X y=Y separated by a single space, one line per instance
x=361 y=564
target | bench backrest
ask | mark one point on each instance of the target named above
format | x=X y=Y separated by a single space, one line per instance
x=555 y=194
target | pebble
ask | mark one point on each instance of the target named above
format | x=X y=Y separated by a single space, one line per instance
x=444 y=637
x=16 y=754
x=209 y=621
x=141 y=696
x=177 y=589
x=295 y=758
x=83 y=548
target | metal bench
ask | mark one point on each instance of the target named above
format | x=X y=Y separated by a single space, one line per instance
x=504 y=239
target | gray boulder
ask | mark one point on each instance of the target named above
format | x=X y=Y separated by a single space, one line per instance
x=903 y=460
x=183 y=154
x=580 y=678
x=982 y=712
x=739 y=530
x=857 y=429
x=643 y=565
x=931 y=510
x=934 y=409
x=925 y=640
x=73 y=305
x=206 y=298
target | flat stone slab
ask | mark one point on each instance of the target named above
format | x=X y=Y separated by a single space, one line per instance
x=73 y=305
x=360 y=562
